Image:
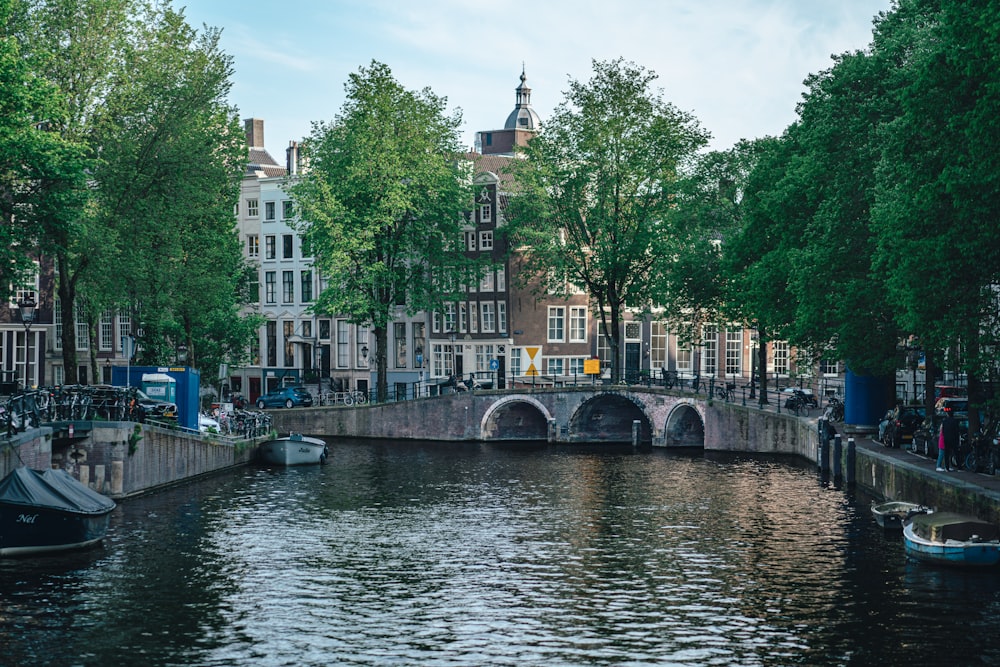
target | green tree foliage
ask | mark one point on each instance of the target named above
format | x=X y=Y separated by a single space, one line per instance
x=381 y=204
x=41 y=172
x=152 y=231
x=596 y=192
x=939 y=178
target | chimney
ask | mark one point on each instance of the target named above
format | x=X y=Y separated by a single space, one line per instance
x=254 y=128
x=292 y=158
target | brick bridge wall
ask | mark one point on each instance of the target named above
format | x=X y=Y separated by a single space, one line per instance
x=571 y=414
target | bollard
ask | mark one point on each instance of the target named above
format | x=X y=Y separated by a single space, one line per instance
x=636 y=429
x=838 y=461
x=850 y=460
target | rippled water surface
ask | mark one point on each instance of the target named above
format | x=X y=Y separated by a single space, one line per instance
x=443 y=554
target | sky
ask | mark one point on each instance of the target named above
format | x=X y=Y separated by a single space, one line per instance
x=737 y=66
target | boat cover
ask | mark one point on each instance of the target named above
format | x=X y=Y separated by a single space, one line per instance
x=942 y=526
x=55 y=489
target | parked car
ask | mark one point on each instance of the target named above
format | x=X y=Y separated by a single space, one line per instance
x=286 y=397
x=208 y=424
x=903 y=423
x=952 y=404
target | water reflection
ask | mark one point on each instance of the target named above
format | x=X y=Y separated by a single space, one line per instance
x=427 y=553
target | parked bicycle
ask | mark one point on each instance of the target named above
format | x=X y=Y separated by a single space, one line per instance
x=798 y=403
x=726 y=392
x=834 y=409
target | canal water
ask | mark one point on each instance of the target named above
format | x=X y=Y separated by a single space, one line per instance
x=479 y=554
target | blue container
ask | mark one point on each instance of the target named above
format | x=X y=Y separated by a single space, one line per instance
x=866 y=398
x=188 y=384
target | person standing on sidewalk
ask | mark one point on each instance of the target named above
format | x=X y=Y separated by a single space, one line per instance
x=941 y=450
x=949 y=431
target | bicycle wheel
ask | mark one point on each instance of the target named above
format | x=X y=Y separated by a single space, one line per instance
x=361 y=398
x=348 y=400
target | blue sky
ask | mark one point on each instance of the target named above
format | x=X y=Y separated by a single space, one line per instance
x=736 y=65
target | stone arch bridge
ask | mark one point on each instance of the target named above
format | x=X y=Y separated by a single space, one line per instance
x=647 y=415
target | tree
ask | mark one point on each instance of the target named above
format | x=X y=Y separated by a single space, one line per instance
x=595 y=202
x=380 y=206
x=146 y=96
x=40 y=170
x=939 y=180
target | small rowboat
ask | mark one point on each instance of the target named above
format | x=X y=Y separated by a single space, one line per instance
x=945 y=538
x=293 y=450
x=891 y=515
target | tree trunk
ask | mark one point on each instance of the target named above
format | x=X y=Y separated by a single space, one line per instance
x=67 y=298
x=762 y=367
x=381 y=362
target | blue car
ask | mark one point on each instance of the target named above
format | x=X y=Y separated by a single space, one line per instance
x=286 y=397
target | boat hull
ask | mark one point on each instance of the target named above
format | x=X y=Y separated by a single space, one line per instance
x=892 y=514
x=977 y=545
x=34 y=530
x=293 y=451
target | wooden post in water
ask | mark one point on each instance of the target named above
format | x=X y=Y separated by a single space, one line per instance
x=838 y=461
x=636 y=430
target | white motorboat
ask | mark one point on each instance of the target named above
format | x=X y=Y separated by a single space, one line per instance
x=293 y=450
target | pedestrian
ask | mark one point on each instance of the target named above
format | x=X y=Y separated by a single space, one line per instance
x=941 y=450
x=949 y=431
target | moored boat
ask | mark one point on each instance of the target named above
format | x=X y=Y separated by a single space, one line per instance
x=946 y=538
x=293 y=449
x=891 y=514
x=49 y=511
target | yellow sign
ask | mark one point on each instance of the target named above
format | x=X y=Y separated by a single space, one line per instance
x=591 y=366
x=531 y=359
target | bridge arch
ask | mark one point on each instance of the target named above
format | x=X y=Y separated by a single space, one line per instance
x=608 y=417
x=685 y=426
x=518 y=417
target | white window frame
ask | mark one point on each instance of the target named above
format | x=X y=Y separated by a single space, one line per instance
x=578 y=324
x=556 y=324
x=486 y=240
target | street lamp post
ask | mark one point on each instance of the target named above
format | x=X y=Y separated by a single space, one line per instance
x=27 y=307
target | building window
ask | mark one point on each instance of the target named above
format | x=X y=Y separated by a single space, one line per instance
x=419 y=342
x=288 y=330
x=254 y=288
x=286 y=246
x=343 y=344
x=554 y=365
x=107 y=331
x=463 y=319
x=287 y=286
x=362 y=347
x=684 y=356
x=399 y=333
x=502 y=317
x=710 y=350
x=576 y=365
x=449 y=318
x=287 y=209
x=578 y=324
x=253 y=245
x=484 y=354
x=269 y=211
x=252 y=211
x=486 y=213
x=657 y=345
x=324 y=329
x=270 y=249
x=474 y=317
x=828 y=367
x=271 y=333
x=557 y=324
x=270 y=285
x=501 y=279
x=779 y=350
x=489 y=317
x=734 y=351
x=306 y=284
x=515 y=361
x=604 y=347
x=486 y=284
x=486 y=240
x=470 y=241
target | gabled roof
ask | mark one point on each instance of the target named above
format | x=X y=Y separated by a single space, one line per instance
x=495 y=164
x=261 y=160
